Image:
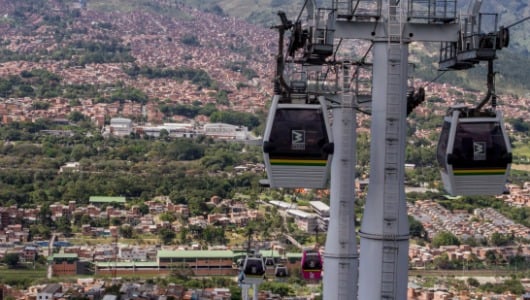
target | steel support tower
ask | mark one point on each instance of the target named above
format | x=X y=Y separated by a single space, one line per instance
x=340 y=255
x=383 y=269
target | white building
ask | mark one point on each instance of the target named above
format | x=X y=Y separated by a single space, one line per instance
x=305 y=221
x=283 y=205
x=132 y=253
x=226 y=131
x=320 y=208
x=70 y=167
x=322 y=211
x=121 y=126
x=50 y=292
x=175 y=130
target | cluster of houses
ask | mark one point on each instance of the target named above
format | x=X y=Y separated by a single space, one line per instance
x=117 y=258
x=415 y=292
x=153 y=42
x=98 y=289
x=99 y=208
x=15 y=238
x=479 y=225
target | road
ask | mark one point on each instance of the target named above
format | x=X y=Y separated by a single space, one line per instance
x=466 y=273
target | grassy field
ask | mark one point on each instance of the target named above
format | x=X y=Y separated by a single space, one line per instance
x=22 y=276
x=521 y=148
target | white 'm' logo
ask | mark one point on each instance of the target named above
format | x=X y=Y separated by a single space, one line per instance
x=298 y=139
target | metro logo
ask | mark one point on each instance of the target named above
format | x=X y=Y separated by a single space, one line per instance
x=479 y=150
x=298 y=139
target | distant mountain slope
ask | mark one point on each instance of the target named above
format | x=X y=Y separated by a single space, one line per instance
x=264 y=12
x=168 y=50
x=251 y=41
x=512 y=65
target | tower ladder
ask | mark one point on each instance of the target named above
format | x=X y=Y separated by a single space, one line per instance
x=392 y=154
x=347 y=102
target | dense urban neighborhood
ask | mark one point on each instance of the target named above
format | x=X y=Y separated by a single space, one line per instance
x=130 y=160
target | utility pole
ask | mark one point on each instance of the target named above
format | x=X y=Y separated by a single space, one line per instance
x=115 y=255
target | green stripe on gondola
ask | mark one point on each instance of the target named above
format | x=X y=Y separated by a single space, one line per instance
x=298 y=162
x=472 y=172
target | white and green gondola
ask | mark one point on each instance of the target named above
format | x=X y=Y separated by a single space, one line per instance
x=474 y=152
x=297 y=144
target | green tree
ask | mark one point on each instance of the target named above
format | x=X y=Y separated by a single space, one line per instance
x=63 y=226
x=144 y=209
x=498 y=239
x=183 y=236
x=443 y=262
x=11 y=260
x=520 y=125
x=166 y=235
x=222 y=98
x=281 y=288
x=492 y=257
x=235 y=292
x=164 y=135
x=126 y=231
x=115 y=222
x=445 y=238
x=45 y=216
x=82 y=219
x=214 y=235
x=167 y=216
x=235 y=118
x=416 y=229
x=76 y=116
x=473 y=282
x=190 y=40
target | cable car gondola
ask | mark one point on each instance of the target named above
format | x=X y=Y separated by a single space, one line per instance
x=474 y=152
x=297 y=144
x=253 y=270
x=311 y=265
x=280 y=271
x=269 y=262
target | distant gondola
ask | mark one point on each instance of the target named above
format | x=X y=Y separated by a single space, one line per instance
x=297 y=145
x=269 y=262
x=474 y=152
x=253 y=270
x=281 y=271
x=311 y=265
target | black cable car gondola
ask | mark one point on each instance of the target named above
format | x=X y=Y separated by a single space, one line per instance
x=253 y=270
x=474 y=152
x=269 y=262
x=297 y=144
x=281 y=271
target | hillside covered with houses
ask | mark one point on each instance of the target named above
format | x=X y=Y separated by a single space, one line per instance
x=130 y=147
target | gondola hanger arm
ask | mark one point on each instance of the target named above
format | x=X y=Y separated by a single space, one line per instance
x=491 y=87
